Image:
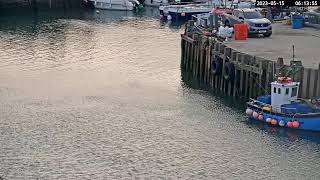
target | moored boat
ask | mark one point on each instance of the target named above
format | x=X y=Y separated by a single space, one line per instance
x=155 y=3
x=124 y=5
x=283 y=107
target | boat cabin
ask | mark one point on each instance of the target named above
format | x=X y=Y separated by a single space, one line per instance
x=283 y=91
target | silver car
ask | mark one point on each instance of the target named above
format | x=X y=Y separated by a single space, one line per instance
x=257 y=24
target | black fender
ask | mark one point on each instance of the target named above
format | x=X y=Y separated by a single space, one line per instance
x=216 y=66
x=229 y=71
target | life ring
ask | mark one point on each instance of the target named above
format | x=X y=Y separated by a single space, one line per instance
x=229 y=71
x=216 y=66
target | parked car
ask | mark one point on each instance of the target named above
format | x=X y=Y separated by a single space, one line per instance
x=257 y=24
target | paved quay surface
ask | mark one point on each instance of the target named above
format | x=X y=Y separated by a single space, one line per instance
x=305 y=40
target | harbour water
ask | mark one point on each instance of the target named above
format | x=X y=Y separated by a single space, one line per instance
x=87 y=95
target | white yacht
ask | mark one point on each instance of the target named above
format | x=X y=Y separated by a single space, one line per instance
x=125 y=5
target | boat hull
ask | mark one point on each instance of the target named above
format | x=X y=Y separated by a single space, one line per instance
x=114 y=5
x=310 y=122
x=184 y=17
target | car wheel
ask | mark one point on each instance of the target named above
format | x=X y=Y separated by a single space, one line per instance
x=267 y=34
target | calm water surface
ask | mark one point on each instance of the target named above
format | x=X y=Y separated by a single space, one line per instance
x=100 y=96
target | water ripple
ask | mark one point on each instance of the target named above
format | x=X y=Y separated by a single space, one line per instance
x=100 y=97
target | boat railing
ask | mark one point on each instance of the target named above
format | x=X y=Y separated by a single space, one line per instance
x=259 y=102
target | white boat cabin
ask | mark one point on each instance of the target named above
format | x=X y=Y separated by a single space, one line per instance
x=283 y=91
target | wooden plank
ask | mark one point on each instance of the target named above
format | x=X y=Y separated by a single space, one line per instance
x=197 y=61
x=187 y=56
x=222 y=83
x=192 y=55
x=236 y=58
x=313 y=86
x=219 y=54
x=228 y=53
x=231 y=56
x=248 y=68
x=306 y=82
x=246 y=79
x=188 y=39
x=318 y=87
x=242 y=75
x=269 y=75
x=182 y=54
x=208 y=64
x=316 y=84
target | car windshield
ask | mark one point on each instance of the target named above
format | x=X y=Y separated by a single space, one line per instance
x=252 y=15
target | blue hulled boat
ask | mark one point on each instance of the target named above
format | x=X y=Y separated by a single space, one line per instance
x=284 y=108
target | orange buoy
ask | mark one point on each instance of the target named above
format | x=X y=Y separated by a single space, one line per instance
x=289 y=124
x=255 y=115
x=274 y=122
x=268 y=120
x=295 y=124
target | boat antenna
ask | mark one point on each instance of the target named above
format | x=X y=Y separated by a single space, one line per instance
x=293 y=56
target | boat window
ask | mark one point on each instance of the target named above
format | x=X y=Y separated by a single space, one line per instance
x=279 y=91
x=274 y=90
x=287 y=91
x=294 y=92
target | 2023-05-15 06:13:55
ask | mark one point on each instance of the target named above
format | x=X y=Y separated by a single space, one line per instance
x=260 y=3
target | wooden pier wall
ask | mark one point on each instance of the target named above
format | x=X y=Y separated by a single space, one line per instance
x=241 y=75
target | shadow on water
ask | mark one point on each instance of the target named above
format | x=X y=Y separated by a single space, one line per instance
x=192 y=82
x=20 y=19
x=189 y=81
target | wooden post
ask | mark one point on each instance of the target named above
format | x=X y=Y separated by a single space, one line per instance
x=236 y=58
x=246 y=79
x=306 y=83
x=242 y=73
x=318 y=82
x=223 y=64
x=269 y=75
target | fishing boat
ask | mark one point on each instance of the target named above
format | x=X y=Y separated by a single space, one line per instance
x=283 y=107
x=124 y=5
